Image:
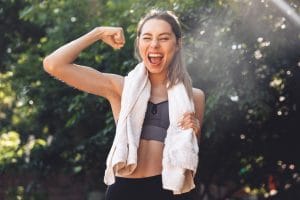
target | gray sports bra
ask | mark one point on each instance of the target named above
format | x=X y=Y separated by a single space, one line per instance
x=156 y=121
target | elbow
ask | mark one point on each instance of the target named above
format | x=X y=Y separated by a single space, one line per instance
x=49 y=65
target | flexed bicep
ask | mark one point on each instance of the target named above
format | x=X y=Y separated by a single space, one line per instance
x=60 y=63
x=90 y=80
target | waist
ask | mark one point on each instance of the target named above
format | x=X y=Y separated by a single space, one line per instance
x=149 y=162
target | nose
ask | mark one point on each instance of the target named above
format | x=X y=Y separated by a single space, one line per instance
x=154 y=43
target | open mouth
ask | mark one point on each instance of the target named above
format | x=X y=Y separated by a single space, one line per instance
x=155 y=58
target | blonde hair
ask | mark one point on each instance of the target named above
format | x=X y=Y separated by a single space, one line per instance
x=177 y=71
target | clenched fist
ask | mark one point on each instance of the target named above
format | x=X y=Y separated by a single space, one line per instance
x=113 y=36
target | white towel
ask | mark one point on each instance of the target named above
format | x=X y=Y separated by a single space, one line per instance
x=180 y=154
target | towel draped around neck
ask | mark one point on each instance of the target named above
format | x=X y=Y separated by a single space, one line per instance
x=180 y=154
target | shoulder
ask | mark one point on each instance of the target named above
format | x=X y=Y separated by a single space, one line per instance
x=199 y=103
x=198 y=95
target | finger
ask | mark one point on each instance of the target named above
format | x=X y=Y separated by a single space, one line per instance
x=108 y=40
x=194 y=124
x=186 y=114
x=194 y=127
x=187 y=125
x=119 y=37
x=182 y=118
x=187 y=117
x=115 y=44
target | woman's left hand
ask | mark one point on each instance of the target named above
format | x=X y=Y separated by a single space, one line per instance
x=189 y=120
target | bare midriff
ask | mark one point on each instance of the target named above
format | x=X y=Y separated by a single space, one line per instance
x=149 y=161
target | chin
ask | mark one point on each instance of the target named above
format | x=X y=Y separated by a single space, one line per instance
x=155 y=69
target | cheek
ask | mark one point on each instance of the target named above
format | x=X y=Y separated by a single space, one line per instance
x=142 y=51
x=141 y=48
x=172 y=52
x=172 y=48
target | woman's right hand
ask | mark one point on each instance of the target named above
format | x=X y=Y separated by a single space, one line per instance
x=113 y=36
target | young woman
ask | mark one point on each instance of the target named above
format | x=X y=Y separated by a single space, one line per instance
x=158 y=46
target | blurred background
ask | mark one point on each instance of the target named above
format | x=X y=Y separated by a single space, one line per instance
x=244 y=54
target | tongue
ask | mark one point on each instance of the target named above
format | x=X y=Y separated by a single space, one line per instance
x=155 y=60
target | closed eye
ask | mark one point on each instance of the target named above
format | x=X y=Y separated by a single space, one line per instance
x=146 y=38
x=164 y=39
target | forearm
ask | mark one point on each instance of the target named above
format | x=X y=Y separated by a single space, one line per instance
x=70 y=51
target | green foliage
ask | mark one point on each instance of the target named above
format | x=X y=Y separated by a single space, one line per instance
x=9 y=144
x=243 y=54
x=20 y=193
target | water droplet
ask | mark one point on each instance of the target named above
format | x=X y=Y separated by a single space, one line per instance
x=234 y=98
x=260 y=39
x=73 y=19
x=281 y=98
x=292 y=166
x=242 y=136
x=287 y=186
x=56 y=10
x=266 y=195
x=273 y=192
x=295 y=175
x=257 y=54
x=247 y=189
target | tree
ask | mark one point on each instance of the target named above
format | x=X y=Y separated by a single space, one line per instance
x=243 y=54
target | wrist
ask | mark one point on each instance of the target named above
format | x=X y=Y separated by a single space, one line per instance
x=97 y=32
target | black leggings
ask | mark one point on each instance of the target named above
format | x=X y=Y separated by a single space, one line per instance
x=149 y=188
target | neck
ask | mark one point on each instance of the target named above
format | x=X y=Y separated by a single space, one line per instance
x=158 y=79
x=158 y=87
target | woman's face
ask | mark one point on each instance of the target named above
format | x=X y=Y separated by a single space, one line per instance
x=157 y=45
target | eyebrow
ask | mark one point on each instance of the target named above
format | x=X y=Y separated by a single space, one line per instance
x=166 y=33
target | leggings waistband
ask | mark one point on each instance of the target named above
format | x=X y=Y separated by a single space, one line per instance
x=146 y=188
x=149 y=179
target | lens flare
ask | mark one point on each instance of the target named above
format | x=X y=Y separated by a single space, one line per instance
x=285 y=8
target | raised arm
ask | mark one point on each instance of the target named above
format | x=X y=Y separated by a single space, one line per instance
x=60 y=64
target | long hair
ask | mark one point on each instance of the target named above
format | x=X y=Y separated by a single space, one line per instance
x=177 y=71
